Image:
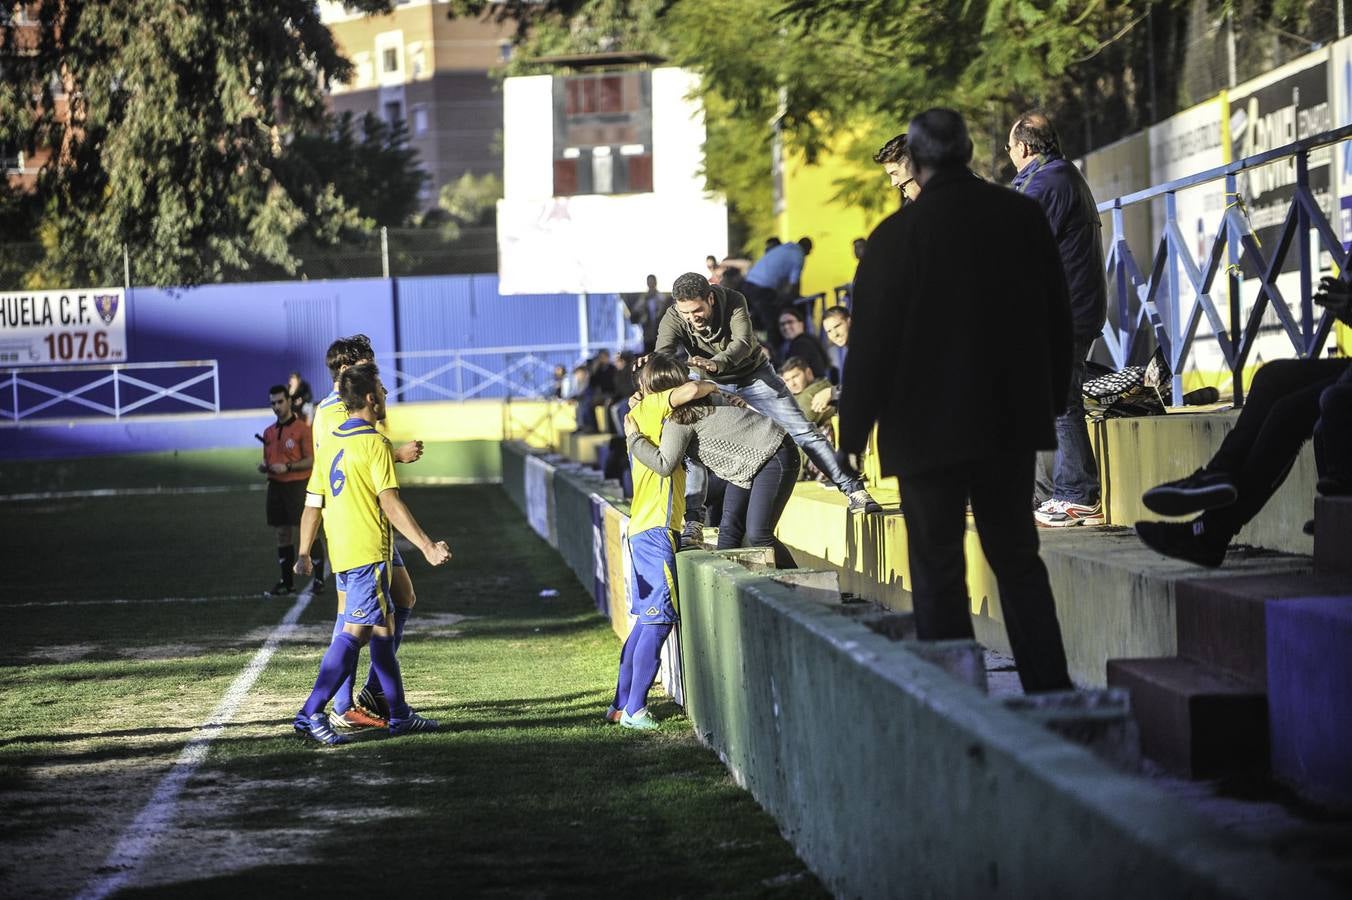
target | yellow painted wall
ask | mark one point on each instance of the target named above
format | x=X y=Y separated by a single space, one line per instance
x=537 y=422
x=833 y=226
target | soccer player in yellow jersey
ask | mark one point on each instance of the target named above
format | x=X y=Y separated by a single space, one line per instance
x=655 y=517
x=369 y=709
x=360 y=496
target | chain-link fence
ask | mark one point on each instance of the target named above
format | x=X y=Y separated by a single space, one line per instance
x=386 y=253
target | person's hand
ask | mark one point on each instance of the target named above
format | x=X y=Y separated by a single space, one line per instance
x=704 y=365
x=630 y=426
x=303 y=565
x=635 y=398
x=848 y=462
x=641 y=361
x=409 y=453
x=277 y=468
x=1335 y=295
x=437 y=553
x=821 y=401
x=263 y=468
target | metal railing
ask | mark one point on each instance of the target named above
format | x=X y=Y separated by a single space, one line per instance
x=1157 y=297
x=482 y=372
x=107 y=389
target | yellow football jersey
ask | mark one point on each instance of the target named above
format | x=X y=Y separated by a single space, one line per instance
x=329 y=415
x=658 y=502
x=360 y=465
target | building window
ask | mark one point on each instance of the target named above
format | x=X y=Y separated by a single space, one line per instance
x=603 y=134
x=394 y=112
x=420 y=120
x=390 y=59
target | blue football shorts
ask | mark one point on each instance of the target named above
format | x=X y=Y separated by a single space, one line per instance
x=398 y=560
x=652 y=586
x=368 y=594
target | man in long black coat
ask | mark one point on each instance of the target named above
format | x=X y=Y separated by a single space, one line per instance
x=960 y=351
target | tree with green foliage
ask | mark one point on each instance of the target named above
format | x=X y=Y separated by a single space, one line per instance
x=167 y=124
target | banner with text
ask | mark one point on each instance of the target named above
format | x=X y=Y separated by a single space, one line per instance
x=60 y=328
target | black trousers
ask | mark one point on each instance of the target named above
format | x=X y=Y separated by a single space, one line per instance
x=998 y=487
x=750 y=516
x=1276 y=421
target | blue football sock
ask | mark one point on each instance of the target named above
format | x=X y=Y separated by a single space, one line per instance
x=342 y=698
x=338 y=659
x=647 y=660
x=626 y=667
x=401 y=615
x=386 y=666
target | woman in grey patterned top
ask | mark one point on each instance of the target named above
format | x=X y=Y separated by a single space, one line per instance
x=749 y=451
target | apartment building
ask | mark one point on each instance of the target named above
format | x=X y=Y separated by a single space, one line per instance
x=417 y=65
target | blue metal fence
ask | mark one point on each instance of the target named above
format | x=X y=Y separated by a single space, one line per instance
x=1155 y=298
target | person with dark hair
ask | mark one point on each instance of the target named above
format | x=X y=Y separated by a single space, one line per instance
x=963 y=418
x=750 y=452
x=774 y=279
x=302 y=398
x=646 y=311
x=367 y=709
x=895 y=159
x=360 y=497
x=1290 y=401
x=816 y=397
x=287 y=457
x=712 y=325
x=1074 y=495
x=795 y=341
x=771 y=243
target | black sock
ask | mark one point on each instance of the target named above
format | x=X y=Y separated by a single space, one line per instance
x=286 y=559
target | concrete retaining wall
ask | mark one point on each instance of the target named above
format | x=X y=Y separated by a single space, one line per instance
x=890 y=777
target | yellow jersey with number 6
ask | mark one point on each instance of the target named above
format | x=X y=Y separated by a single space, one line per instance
x=659 y=502
x=359 y=467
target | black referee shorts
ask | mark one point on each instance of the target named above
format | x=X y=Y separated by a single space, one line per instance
x=286 y=501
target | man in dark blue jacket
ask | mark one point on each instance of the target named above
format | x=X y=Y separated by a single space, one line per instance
x=1059 y=188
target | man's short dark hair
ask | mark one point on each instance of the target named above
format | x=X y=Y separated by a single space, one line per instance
x=690 y=286
x=355 y=383
x=835 y=312
x=278 y=389
x=795 y=363
x=938 y=139
x=894 y=151
x=348 y=351
x=1035 y=129
x=806 y=244
x=792 y=311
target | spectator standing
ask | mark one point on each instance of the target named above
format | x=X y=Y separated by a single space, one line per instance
x=964 y=376
x=775 y=278
x=795 y=341
x=302 y=397
x=1054 y=182
x=646 y=311
x=561 y=386
x=711 y=263
x=713 y=326
x=288 y=455
x=896 y=162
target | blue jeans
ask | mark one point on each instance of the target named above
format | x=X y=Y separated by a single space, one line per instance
x=766 y=393
x=1074 y=471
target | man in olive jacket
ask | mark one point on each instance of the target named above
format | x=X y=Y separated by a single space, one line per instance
x=713 y=325
x=960 y=350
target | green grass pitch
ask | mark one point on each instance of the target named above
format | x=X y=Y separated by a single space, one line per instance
x=129 y=617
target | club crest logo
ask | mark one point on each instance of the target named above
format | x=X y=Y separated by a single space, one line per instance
x=106 y=305
x=337 y=480
x=291 y=443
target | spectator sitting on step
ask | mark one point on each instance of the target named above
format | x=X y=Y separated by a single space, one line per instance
x=1290 y=401
x=795 y=341
x=813 y=395
x=836 y=327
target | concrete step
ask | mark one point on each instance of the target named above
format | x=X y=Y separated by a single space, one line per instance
x=1309 y=678
x=1194 y=720
x=1222 y=622
x=1333 y=536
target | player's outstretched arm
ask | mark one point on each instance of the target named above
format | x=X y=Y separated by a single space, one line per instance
x=409 y=453
x=397 y=512
x=309 y=529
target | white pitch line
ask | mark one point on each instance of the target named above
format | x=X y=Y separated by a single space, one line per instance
x=141 y=835
x=130 y=492
x=120 y=601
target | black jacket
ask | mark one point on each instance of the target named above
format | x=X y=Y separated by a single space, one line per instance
x=960 y=343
